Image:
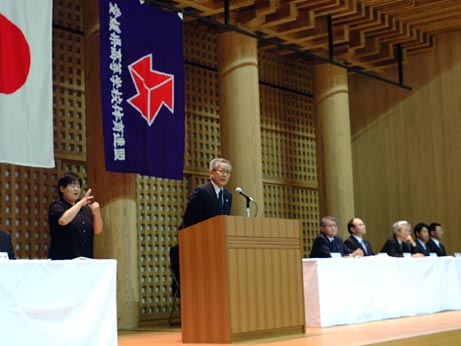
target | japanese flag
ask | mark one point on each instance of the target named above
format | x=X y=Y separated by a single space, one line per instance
x=26 y=95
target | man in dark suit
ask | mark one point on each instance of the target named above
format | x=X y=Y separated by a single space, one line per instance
x=210 y=199
x=421 y=231
x=327 y=242
x=6 y=245
x=401 y=242
x=207 y=200
x=357 y=229
x=434 y=244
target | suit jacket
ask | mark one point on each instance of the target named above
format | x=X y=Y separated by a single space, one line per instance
x=203 y=204
x=432 y=246
x=421 y=249
x=323 y=247
x=6 y=245
x=353 y=244
x=393 y=248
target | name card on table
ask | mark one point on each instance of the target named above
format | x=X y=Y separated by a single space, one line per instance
x=433 y=254
x=335 y=255
x=4 y=256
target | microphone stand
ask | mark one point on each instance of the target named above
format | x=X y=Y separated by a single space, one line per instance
x=248 y=207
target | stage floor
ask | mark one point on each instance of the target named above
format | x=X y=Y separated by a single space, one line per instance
x=442 y=328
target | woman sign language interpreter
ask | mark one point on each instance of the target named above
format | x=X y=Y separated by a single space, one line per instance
x=73 y=221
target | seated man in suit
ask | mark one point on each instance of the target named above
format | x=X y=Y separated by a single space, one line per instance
x=328 y=242
x=421 y=232
x=357 y=228
x=434 y=244
x=6 y=245
x=401 y=242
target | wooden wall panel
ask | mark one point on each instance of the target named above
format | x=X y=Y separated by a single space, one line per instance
x=288 y=148
x=159 y=209
x=288 y=139
x=406 y=145
x=68 y=81
x=289 y=142
x=161 y=202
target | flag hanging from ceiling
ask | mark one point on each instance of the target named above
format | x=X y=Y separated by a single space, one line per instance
x=142 y=89
x=26 y=94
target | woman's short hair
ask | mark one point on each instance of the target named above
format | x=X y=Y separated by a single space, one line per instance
x=68 y=179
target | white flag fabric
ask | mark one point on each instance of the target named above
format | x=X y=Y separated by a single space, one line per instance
x=26 y=94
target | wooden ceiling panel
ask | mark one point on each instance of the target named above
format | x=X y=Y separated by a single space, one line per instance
x=366 y=32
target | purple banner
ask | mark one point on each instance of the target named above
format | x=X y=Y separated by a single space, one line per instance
x=142 y=89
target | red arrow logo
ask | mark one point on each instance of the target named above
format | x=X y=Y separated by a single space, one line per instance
x=154 y=89
x=14 y=57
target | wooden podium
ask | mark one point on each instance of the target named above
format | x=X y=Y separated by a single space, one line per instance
x=241 y=278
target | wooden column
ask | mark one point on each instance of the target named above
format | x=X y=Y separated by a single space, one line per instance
x=332 y=111
x=240 y=118
x=116 y=192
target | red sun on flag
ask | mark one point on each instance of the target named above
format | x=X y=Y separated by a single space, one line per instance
x=14 y=57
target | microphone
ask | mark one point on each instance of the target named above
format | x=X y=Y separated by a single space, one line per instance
x=240 y=191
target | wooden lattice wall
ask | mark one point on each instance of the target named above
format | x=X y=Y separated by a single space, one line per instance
x=288 y=150
x=165 y=200
x=288 y=142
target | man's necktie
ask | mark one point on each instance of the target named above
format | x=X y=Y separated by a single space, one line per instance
x=333 y=246
x=364 y=247
x=442 y=248
x=221 y=201
x=425 y=252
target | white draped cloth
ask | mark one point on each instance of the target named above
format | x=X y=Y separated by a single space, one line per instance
x=354 y=290
x=57 y=303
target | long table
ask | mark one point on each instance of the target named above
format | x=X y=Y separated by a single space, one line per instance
x=354 y=290
x=56 y=303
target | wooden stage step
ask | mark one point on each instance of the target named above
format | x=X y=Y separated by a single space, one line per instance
x=442 y=329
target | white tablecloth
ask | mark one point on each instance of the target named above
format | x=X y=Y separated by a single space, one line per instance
x=58 y=303
x=354 y=290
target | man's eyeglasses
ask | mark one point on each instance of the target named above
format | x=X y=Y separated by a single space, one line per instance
x=222 y=171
